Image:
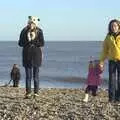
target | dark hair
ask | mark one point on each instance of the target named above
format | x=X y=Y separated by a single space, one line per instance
x=14 y=65
x=110 y=23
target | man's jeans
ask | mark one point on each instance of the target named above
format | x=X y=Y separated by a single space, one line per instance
x=29 y=71
x=114 y=80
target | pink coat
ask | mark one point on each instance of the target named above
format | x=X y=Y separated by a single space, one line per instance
x=94 y=76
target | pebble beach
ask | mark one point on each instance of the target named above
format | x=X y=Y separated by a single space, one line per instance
x=56 y=104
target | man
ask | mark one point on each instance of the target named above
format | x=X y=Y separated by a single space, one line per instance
x=31 y=39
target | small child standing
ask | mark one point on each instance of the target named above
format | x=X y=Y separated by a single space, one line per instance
x=94 y=78
x=15 y=75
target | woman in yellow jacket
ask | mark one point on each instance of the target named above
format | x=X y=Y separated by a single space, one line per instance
x=111 y=51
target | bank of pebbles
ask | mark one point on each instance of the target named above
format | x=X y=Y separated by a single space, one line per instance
x=56 y=104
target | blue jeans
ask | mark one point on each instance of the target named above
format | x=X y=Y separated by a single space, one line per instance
x=29 y=71
x=114 y=80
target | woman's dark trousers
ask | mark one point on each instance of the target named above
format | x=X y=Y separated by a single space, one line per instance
x=114 y=80
x=29 y=72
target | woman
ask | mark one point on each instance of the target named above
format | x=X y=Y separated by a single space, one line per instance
x=111 y=51
x=31 y=39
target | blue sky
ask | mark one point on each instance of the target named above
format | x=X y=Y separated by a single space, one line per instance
x=60 y=19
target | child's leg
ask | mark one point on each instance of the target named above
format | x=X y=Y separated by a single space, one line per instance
x=94 y=90
x=87 y=89
x=13 y=83
x=17 y=83
x=86 y=94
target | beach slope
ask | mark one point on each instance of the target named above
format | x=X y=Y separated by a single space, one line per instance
x=56 y=104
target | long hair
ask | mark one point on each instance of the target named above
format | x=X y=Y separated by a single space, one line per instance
x=109 y=26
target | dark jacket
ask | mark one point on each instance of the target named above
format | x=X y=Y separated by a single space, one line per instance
x=15 y=74
x=32 y=54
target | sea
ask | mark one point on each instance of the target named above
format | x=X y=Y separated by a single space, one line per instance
x=64 y=63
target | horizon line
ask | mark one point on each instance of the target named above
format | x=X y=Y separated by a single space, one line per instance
x=57 y=40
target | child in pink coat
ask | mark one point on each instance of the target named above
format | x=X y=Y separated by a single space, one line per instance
x=93 y=79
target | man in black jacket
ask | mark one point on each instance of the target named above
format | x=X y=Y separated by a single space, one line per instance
x=31 y=39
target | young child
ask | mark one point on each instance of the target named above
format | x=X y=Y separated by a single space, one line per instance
x=15 y=75
x=94 y=79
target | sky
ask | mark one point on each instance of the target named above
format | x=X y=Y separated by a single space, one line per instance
x=61 y=20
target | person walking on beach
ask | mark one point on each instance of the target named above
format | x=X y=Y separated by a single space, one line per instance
x=93 y=79
x=111 y=51
x=32 y=41
x=15 y=75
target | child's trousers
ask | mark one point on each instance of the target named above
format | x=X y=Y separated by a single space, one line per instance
x=91 y=88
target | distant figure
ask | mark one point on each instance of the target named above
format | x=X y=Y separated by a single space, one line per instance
x=93 y=79
x=15 y=75
x=111 y=51
x=32 y=41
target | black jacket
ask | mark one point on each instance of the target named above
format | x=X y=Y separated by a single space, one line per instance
x=15 y=74
x=32 y=54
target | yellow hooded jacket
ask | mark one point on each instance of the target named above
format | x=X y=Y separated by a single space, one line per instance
x=111 y=49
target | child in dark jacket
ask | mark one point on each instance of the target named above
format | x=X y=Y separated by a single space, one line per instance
x=15 y=75
x=93 y=79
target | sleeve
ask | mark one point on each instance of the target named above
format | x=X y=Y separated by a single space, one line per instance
x=11 y=74
x=41 y=37
x=104 y=53
x=21 y=41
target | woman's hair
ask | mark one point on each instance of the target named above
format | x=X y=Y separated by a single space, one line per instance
x=110 y=23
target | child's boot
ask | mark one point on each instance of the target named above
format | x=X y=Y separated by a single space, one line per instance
x=86 y=98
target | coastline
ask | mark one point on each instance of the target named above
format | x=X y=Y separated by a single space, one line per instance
x=56 y=104
x=62 y=82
